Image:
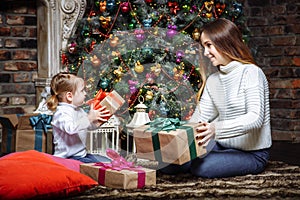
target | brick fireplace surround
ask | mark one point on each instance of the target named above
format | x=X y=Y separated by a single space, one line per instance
x=33 y=33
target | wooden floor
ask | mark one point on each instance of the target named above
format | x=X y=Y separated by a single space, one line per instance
x=287 y=152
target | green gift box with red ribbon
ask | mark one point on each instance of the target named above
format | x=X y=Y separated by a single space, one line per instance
x=119 y=173
x=167 y=140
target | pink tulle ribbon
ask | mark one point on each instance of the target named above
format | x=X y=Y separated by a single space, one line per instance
x=119 y=163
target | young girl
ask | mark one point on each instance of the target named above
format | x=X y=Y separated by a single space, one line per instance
x=234 y=108
x=70 y=122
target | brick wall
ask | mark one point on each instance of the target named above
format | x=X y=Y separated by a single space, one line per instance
x=274 y=39
x=18 y=56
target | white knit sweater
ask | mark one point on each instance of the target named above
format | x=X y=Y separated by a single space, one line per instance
x=236 y=100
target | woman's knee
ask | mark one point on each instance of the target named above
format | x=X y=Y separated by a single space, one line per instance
x=202 y=169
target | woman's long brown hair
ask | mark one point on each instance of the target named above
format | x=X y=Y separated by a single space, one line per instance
x=227 y=39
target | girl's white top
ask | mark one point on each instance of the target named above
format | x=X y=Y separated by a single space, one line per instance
x=236 y=100
x=70 y=126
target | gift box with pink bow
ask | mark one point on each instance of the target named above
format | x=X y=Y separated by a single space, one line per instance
x=167 y=140
x=119 y=173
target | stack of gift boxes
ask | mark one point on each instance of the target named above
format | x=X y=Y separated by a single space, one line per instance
x=165 y=140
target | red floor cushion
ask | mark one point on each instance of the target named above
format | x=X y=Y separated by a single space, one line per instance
x=31 y=174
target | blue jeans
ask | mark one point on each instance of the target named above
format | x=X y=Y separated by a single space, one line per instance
x=222 y=162
x=91 y=158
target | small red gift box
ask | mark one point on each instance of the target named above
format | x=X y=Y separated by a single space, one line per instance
x=112 y=100
x=119 y=173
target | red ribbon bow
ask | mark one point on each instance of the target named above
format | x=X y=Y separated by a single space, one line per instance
x=173 y=7
x=98 y=98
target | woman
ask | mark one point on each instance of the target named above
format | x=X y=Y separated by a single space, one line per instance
x=233 y=110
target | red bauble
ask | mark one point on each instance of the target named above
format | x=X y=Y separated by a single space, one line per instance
x=125 y=7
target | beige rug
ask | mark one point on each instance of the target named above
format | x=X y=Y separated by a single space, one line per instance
x=279 y=181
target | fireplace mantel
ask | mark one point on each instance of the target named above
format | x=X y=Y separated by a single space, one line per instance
x=56 y=22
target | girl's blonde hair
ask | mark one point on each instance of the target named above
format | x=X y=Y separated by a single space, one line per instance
x=61 y=83
x=227 y=38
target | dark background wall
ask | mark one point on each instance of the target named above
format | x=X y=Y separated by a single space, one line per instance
x=274 y=39
x=18 y=56
x=275 y=42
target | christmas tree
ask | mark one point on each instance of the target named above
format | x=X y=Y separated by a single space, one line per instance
x=149 y=49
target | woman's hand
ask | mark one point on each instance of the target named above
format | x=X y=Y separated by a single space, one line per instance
x=205 y=132
x=100 y=115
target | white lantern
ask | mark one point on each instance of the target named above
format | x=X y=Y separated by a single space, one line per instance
x=140 y=118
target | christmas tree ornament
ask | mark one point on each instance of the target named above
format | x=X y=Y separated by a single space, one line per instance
x=150 y=78
x=114 y=41
x=220 y=7
x=125 y=7
x=110 y=5
x=132 y=24
x=147 y=22
x=102 y=6
x=147 y=52
x=138 y=67
x=118 y=72
x=64 y=59
x=139 y=34
x=171 y=32
x=148 y=1
x=132 y=86
x=208 y=15
x=149 y=95
x=97 y=2
x=133 y=14
x=72 y=47
x=92 y=45
x=86 y=32
x=156 y=69
x=174 y=7
x=95 y=61
x=196 y=34
x=193 y=9
x=237 y=9
x=105 y=21
x=208 y=7
x=186 y=7
x=179 y=56
x=178 y=74
x=103 y=83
